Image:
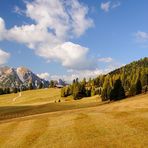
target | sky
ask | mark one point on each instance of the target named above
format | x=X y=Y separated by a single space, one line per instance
x=72 y=38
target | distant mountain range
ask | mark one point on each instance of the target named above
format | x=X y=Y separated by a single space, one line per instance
x=20 y=77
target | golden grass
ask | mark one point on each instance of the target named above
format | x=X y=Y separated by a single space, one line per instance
x=122 y=124
x=32 y=97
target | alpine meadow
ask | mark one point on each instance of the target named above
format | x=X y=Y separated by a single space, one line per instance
x=73 y=74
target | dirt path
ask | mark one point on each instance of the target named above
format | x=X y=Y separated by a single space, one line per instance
x=19 y=95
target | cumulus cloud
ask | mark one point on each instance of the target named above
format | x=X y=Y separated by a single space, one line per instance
x=107 y=6
x=44 y=76
x=141 y=36
x=4 y=56
x=105 y=60
x=70 y=55
x=55 y=23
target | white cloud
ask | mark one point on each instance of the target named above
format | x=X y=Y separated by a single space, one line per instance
x=31 y=35
x=2 y=28
x=70 y=55
x=80 y=22
x=62 y=17
x=107 y=6
x=44 y=76
x=105 y=60
x=4 y=56
x=92 y=73
x=56 y=22
x=141 y=36
x=73 y=74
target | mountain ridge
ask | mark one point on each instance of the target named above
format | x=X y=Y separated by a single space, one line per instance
x=20 y=77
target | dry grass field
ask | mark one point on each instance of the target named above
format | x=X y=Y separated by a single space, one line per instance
x=74 y=124
x=31 y=97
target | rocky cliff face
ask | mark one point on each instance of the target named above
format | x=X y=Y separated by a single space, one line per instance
x=20 y=77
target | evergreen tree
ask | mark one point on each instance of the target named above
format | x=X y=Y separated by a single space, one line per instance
x=51 y=84
x=1 y=91
x=117 y=92
x=76 y=91
x=40 y=85
x=138 y=87
x=15 y=90
x=88 y=92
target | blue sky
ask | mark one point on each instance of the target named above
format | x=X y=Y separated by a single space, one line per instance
x=71 y=39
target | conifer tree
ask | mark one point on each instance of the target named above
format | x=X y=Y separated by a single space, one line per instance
x=117 y=92
x=138 y=87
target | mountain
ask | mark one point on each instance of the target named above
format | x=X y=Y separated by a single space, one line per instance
x=20 y=77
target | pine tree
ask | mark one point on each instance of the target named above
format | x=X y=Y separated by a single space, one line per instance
x=1 y=91
x=117 y=92
x=15 y=90
x=51 y=84
x=138 y=87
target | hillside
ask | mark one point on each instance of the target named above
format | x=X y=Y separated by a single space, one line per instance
x=40 y=101
x=129 y=80
x=118 y=124
x=20 y=77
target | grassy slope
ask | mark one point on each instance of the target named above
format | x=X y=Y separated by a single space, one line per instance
x=40 y=101
x=118 y=124
x=31 y=97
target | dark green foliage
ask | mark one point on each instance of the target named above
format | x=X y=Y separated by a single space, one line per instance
x=138 y=87
x=15 y=90
x=52 y=84
x=117 y=92
x=1 y=91
x=77 y=90
x=41 y=85
x=6 y=91
x=88 y=92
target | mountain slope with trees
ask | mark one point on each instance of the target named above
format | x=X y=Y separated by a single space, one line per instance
x=129 y=80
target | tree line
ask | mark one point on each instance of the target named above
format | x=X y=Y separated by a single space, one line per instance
x=129 y=80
